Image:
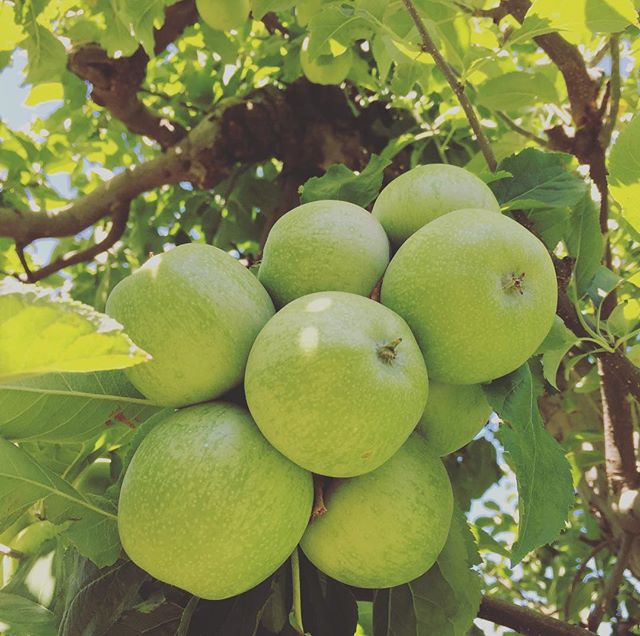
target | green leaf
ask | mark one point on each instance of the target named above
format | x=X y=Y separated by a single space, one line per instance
x=141 y=17
x=602 y=284
x=47 y=56
x=515 y=90
x=584 y=242
x=540 y=180
x=342 y=184
x=554 y=348
x=543 y=474
x=260 y=7
x=70 y=407
x=336 y=22
x=95 y=599
x=22 y=617
x=443 y=601
x=23 y=482
x=10 y=32
x=40 y=333
x=624 y=171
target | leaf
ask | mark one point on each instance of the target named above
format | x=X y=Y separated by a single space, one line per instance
x=260 y=7
x=344 y=185
x=540 y=180
x=23 y=617
x=95 y=599
x=47 y=56
x=141 y=16
x=554 y=348
x=162 y=620
x=584 y=242
x=624 y=171
x=602 y=284
x=535 y=456
x=443 y=601
x=23 y=482
x=550 y=224
x=43 y=334
x=70 y=407
x=335 y=22
x=516 y=90
x=10 y=32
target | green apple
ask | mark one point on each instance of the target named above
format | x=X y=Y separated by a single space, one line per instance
x=224 y=15
x=336 y=382
x=208 y=505
x=387 y=527
x=426 y=192
x=454 y=415
x=323 y=246
x=197 y=311
x=325 y=68
x=96 y=478
x=478 y=291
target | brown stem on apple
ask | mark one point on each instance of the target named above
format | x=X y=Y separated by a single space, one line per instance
x=319 y=507
x=387 y=352
x=515 y=281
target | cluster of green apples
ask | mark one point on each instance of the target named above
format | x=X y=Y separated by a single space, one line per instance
x=367 y=395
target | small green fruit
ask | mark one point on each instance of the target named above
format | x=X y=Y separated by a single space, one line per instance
x=453 y=416
x=323 y=246
x=426 y=192
x=479 y=292
x=336 y=382
x=197 y=311
x=325 y=68
x=224 y=15
x=95 y=479
x=207 y=505
x=387 y=527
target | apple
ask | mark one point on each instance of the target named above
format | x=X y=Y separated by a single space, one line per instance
x=224 y=15
x=197 y=311
x=387 y=527
x=96 y=478
x=478 y=291
x=425 y=193
x=454 y=415
x=323 y=246
x=208 y=505
x=336 y=382
x=325 y=68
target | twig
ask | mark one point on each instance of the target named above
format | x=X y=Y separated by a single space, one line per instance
x=296 y=611
x=428 y=46
x=118 y=226
x=614 y=105
x=525 y=620
x=5 y=550
x=521 y=131
x=23 y=261
x=612 y=584
x=578 y=575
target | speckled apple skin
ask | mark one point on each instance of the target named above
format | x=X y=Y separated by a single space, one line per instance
x=323 y=246
x=320 y=392
x=197 y=311
x=452 y=281
x=424 y=193
x=454 y=415
x=387 y=527
x=208 y=505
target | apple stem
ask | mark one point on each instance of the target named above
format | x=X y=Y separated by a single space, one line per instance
x=515 y=281
x=387 y=352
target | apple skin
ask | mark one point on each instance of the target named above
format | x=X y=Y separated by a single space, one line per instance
x=197 y=311
x=454 y=415
x=455 y=282
x=208 y=505
x=425 y=193
x=323 y=246
x=387 y=527
x=325 y=69
x=321 y=391
x=224 y=15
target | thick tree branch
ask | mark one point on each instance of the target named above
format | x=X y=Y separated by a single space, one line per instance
x=428 y=46
x=526 y=621
x=116 y=82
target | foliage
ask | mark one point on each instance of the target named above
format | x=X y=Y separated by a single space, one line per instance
x=395 y=111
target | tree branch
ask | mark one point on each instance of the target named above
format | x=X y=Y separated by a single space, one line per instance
x=428 y=46
x=521 y=131
x=119 y=219
x=578 y=575
x=613 y=583
x=614 y=46
x=525 y=620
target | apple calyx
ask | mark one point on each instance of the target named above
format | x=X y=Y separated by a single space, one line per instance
x=515 y=282
x=387 y=352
